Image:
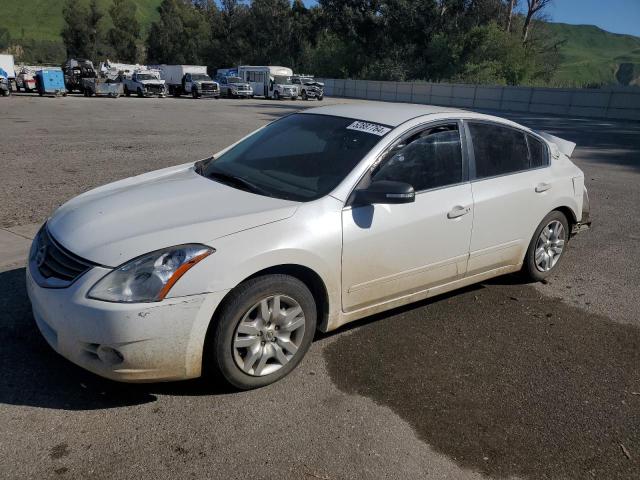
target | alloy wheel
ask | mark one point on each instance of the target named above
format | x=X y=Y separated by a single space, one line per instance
x=269 y=335
x=549 y=246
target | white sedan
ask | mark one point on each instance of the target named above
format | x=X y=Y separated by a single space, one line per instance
x=318 y=219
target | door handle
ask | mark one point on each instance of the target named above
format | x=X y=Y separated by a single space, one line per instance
x=542 y=187
x=458 y=211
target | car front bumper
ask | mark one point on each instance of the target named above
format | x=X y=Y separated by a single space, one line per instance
x=134 y=342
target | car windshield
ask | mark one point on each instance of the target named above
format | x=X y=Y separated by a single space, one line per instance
x=199 y=76
x=306 y=79
x=234 y=80
x=301 y=157
x=281 y=80
x=146 y=76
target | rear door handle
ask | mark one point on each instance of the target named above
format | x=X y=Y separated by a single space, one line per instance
x=458 y=211
x=542 y=187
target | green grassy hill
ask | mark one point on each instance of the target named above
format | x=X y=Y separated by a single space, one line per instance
x=41 y=21
x=591 y=55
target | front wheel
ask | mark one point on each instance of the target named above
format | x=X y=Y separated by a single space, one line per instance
x=320 y=98
x=304 y=95
x=547 y=246
x=263 y=331
x=127 y=92
x=194 y=93
x=276 y=95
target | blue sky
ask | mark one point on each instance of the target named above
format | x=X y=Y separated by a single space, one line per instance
x=618 y=16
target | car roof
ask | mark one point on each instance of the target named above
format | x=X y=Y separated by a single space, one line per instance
x=392 y=114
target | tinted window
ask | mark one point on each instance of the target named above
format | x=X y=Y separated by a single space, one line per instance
x=537 y=152
x=429 y=159
x=498 y=150
x=300 y=157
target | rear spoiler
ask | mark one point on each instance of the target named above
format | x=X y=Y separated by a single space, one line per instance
x=563 y=146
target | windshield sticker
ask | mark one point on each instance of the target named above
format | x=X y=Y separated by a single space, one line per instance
x=367 y=127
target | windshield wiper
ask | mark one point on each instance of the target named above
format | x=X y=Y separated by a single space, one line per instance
x=237 y=182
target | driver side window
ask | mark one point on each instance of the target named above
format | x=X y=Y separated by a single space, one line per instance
x=431 y=158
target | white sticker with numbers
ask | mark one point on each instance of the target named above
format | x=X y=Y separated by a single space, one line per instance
x=367 y=127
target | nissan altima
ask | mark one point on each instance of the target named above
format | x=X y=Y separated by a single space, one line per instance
x=232 y=263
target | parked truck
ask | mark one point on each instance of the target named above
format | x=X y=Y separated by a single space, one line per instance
x=7 y=74
x=188 y=80
x=144 y=83
x=75 y=71
x=269 y=81
x=308 y=87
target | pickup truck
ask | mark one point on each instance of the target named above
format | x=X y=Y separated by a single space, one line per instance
x=233 y=87
x=308 y=87
x=144 y=84
x=189 y=79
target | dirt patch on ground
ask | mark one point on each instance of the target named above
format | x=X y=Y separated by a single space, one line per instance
x=505 y=382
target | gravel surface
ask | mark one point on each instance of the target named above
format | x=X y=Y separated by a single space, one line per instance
x=500 y=380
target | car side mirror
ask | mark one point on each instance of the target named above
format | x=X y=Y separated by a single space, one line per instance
x=385 y=192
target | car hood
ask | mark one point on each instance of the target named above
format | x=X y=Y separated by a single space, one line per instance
x=120 y=221
x=239 y=85
x=314 y=84
x=151 y=82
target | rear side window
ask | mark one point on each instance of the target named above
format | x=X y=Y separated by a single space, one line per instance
x=498 y=150
x=537 y=152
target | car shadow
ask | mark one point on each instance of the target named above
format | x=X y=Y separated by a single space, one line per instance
x=32 y=374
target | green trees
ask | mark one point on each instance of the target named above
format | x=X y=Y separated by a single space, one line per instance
x=479 y=41
x=124 y=36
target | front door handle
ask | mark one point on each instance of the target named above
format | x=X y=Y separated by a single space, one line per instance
x=458 y=211
x=542 y=187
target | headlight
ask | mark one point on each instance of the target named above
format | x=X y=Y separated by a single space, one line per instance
x=149 y=277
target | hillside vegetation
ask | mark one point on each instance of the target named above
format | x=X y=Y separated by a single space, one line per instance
x=590 y=56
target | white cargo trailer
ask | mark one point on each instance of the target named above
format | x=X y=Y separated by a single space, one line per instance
x=188 y=79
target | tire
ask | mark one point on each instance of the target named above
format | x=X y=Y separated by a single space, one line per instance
x=226 y=357
x=127 y=92
x=549 y=253
x=320 y=98
x=194 y=93
x=276 y=95
x=140 y=94
x=304 y=95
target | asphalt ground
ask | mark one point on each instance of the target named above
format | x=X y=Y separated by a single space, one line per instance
x=499 y=380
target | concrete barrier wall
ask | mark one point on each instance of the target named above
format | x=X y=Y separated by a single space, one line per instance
x=622 y=103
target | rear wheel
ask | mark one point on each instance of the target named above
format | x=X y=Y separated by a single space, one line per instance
x=263 y=331
x=547 y=246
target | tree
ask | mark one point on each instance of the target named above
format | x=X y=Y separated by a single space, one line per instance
x=511 y=5
x=534 y=7
x=180 y=35
x=75 y=33
x=125 y=33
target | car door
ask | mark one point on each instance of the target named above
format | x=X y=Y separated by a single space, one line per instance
x=512 y=189
x=395 y=250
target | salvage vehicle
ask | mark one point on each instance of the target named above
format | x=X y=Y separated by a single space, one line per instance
x=188 y=79
x=144 y=83
x=75 y=71
x=25 y=79
x=318 y=219
x=269 y=81
x=7 y=74
x=308 y=87
x=234 y=87
x=50 y=81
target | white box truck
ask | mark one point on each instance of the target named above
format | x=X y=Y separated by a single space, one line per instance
x=7 y=74
x=188 y=80
x=269 y=81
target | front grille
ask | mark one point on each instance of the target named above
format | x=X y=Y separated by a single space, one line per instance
x=54 y=261
x=155 y=88
x=209 y=87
